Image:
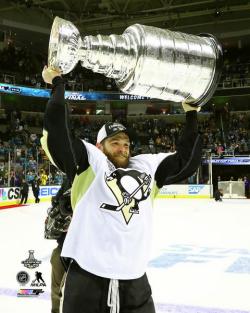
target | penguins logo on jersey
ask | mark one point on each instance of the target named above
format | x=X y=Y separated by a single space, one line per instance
x=129 y=188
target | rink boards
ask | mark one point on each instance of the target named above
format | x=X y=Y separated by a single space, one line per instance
x=11 y=196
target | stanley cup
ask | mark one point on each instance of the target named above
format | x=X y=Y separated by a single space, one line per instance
x=144 y=60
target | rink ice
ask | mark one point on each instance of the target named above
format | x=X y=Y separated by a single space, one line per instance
x=200 y=259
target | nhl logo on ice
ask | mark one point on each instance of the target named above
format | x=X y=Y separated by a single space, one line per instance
x=23 y=277
x=31 y=262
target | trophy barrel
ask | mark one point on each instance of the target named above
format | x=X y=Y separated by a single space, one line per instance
x=173 y=66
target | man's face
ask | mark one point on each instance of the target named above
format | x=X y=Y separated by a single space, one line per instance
x=117 y=149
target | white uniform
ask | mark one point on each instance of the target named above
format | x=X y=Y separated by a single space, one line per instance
x=110 y=232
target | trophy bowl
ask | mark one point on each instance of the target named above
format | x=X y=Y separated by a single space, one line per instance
x=64 y=44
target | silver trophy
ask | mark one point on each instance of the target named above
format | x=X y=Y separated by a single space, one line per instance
x=144 y=60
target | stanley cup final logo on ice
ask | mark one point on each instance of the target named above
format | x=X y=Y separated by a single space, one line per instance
x=31 y=262
x=129 y=188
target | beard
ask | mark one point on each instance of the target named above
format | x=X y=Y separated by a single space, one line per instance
x=118 y=159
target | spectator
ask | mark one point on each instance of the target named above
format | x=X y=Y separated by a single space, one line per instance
x=36 y=188
x=43 y=177
x=24 y=189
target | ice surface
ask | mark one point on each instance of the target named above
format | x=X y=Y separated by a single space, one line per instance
x=200 y=256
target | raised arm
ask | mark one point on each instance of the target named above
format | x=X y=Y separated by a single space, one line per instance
x=187 y=158
x=64 y=151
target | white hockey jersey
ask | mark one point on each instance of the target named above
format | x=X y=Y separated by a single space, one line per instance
x=110 y=232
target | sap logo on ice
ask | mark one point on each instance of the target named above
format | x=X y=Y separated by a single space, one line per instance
x=194 y=189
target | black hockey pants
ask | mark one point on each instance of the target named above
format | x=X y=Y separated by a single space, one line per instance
x=84 y=292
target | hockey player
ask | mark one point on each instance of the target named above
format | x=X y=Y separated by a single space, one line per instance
x=109 y=235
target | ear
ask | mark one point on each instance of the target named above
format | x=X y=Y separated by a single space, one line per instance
x=99 y=145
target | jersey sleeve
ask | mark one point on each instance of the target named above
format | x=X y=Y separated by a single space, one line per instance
x=64 y=151
x=187 y=158
x=95 y=156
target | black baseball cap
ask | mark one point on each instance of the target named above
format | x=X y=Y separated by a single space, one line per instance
x=110 y=129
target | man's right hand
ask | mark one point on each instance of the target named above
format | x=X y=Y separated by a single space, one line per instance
x=49 y=74
x=187 y=107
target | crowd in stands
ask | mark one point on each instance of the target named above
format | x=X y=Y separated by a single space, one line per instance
x=21 y=66
x=158 y=134
x=149 y=135
x=234 y=139
x=236 y=68
x=20 y=151
x=20 y=141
